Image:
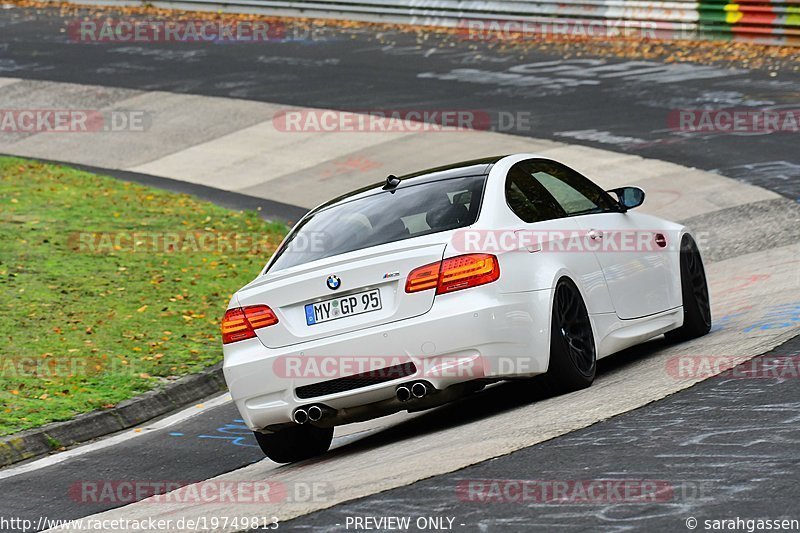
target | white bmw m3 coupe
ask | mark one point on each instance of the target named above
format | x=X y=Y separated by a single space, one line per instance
x=420 y=289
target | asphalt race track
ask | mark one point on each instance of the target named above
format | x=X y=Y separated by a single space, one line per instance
x=722 y=447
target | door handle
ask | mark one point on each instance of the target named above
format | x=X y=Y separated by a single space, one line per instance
x=594 y=234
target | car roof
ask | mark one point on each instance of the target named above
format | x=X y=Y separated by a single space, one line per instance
x=463 y=169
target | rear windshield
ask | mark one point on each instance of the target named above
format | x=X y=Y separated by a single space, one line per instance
x=385 y=217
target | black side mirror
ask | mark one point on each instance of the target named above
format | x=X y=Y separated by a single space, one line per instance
x=628 y=197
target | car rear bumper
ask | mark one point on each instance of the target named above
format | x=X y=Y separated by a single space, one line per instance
x=465 y=336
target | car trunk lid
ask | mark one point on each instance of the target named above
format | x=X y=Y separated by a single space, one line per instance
x=364 y=276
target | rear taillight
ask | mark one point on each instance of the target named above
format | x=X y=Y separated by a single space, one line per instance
x=240 y=323
x=466 y=271
x=455 y=273
x=423 y=278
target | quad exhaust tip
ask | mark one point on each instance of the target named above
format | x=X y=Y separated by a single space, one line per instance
x=300 y=416
x=403 y=393
x=314 y=413
x=415 y=390
x=419 y=390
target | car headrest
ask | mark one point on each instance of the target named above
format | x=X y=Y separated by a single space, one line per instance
x=446 y=215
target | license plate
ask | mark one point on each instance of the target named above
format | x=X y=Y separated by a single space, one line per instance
x=353 y=304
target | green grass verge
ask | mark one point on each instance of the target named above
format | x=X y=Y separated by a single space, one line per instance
x=87 y=318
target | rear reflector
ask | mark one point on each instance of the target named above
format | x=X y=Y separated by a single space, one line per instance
x=455 y=273
x=240 y=323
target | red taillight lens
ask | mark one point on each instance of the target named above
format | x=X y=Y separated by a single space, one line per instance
x=240 y=323
x=260 y=316
x=454 y=274
x=466 y=271
x=423 y=278
x=235 y=326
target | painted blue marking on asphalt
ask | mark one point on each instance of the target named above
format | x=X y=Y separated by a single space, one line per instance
x=236 y=434
x=237 y=441
x=722 y=322
x=235 y=429
x=176 y=434
x=778 y=317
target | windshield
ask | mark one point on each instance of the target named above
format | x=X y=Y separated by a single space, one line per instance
x=381 y=218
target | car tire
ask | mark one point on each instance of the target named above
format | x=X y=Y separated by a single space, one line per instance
x=694 y=292
x=573 y=355
x=295 y=443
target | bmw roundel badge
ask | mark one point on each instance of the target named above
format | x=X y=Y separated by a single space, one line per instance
x=333 y=282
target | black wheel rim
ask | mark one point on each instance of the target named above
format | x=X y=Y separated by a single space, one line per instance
x=575 y=328
x=697 y=279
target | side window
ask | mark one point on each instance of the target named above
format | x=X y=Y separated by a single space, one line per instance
x=527 y=198
x=571 y=200
x=574 y=193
